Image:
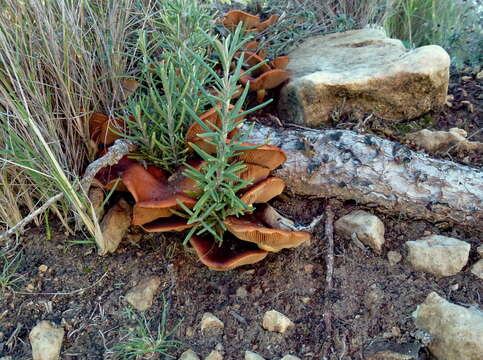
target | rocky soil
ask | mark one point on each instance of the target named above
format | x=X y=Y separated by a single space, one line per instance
x=402 y=289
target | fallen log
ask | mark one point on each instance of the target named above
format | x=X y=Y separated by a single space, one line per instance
x=376 y=172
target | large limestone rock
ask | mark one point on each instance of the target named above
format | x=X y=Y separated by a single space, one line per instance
x=457 y=332
x=363 y=71
x=46 y=340
x=438 y=255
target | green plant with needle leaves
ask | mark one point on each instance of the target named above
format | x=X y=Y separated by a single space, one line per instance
x=170 y=73
x=219 y=178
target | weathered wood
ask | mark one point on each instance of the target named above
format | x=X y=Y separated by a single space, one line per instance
x=376 y=172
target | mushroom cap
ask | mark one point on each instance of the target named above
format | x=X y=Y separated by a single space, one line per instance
x=266 y=155
x=269 y=22
x=264 y=191
x=253 y=59
x=280 y=62
x=251 y=45
x=100 y=127
x=110 y=176
x=269 y=80
x=248 y=228
x=255 y=173
x=211 y=119
x=173 y=223
x=234 y=17
x=154 y=197
x=221 y=258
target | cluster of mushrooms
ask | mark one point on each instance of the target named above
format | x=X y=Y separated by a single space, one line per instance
x=157 y=194
x=269 y=74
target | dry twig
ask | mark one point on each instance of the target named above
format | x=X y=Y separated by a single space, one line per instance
x=329 y=263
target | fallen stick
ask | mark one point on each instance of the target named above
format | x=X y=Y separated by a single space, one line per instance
x=114 y=154
x=376 y=172
x=329 y=266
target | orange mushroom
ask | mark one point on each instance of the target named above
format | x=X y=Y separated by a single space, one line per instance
x=110 y=176
x=234 y=17
x=221 y=258
x=263 y=191
x=280 y=62
x=173 y=223
x=154 y=198
x=253 y=59
x=212 y=119
x=265 y=24
x=266 y=81
x=101 y=126
x=268 y=156
x=254 y=173
x=249 y=228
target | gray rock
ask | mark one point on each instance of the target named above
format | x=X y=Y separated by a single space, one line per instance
x=479 y=249
x=250 y=355
x=438 y=255
x=456 y=331
x=114 y=226
x=392 y=351
x=363 y=71
x=441 y=141
x=141 y=296
x=394 y=257
x=275 y=321
x=368 y=228
x=290 y=357
x=214 y=355
x=189 y=355
x=477 y=269
x=46 y=340
x=210 y=321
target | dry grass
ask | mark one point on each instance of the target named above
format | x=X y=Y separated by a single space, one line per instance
x=59 y=61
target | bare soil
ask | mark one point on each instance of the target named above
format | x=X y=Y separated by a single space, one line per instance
x=371 y=301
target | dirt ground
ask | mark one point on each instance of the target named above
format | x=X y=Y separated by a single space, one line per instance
x=371 y=302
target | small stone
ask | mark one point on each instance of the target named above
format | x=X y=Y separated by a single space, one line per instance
x=275 y=321
x=438 y=255
x=305 y=300
x=250 y=355
x=214 y=355
x=455 y=287
x=456 y=331
x=219 y=347
x=43 y=268
x=241 y=292
x=479 y=76
x=394 y=257
x=141 y=296
x=189 y=355
x=477 y=269
x=190 y=332
x=46 y=340
x=466 y=78
x=309 y=268
x=290 y=357
x=210 y=321
x=479 y=249
x=114 y=226
x=368 y=228
x=30 y=287
x=392 y=351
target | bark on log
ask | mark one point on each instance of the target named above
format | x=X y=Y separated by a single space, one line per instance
x=376 y=172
